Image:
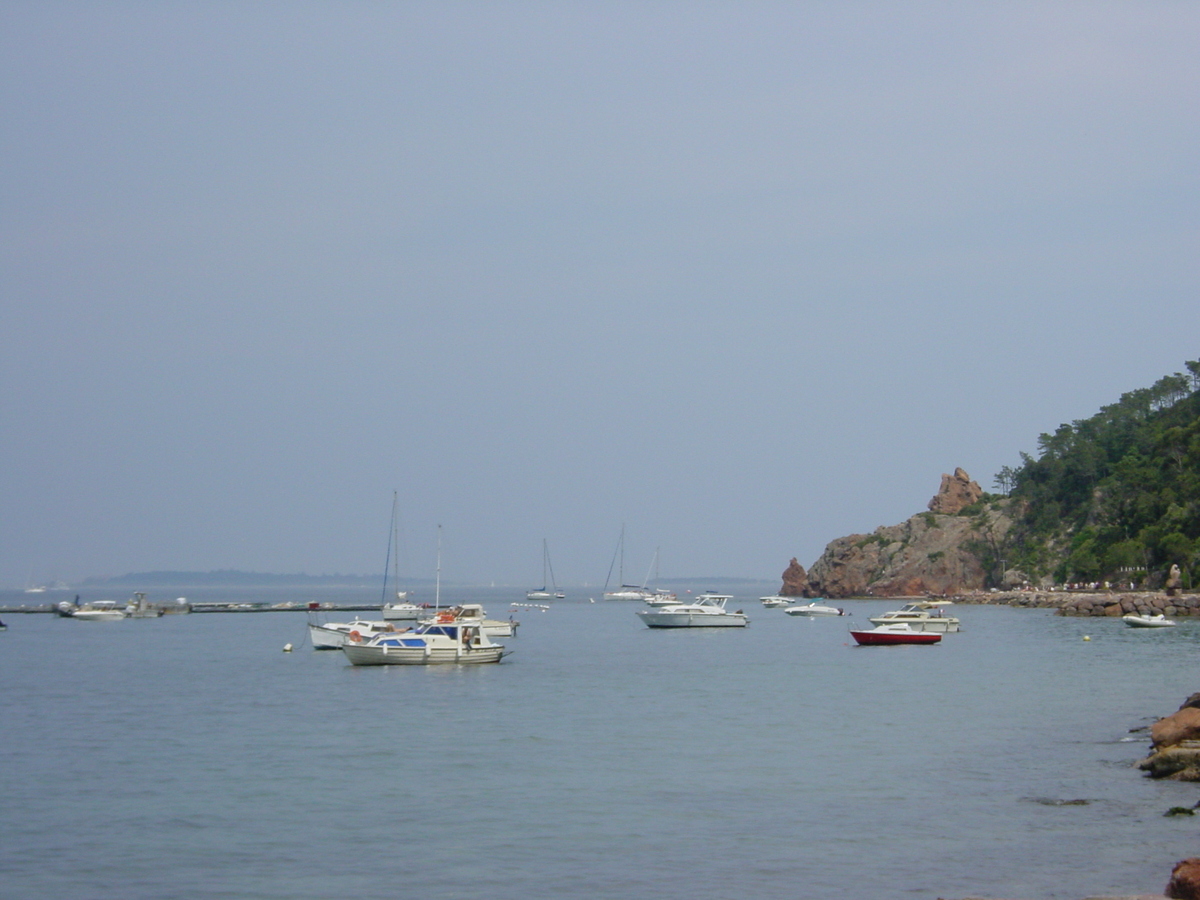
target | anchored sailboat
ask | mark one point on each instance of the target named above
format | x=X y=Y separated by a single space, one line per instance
x=541 y=593
x=398 y=610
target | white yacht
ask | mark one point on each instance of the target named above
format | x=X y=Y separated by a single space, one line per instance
x=447 y=640
x=705 y=611
x=922 y=615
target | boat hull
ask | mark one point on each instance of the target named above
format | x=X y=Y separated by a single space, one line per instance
x=934 y=624
x=1147 y=621
x=99 y=615
x=812 y=611
x=882 y=638
x=403 y=612
x=658 y=619
x=365 y=655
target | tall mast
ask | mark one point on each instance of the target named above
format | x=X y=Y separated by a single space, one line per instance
x=437 y=593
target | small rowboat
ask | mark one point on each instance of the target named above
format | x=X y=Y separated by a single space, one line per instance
x=897 y=633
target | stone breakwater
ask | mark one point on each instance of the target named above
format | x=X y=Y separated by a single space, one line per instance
x=1099 y=603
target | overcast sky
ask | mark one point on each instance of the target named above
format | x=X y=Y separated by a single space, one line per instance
x=743 y=277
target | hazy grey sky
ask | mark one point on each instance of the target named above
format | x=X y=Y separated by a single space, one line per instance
x=745 y=277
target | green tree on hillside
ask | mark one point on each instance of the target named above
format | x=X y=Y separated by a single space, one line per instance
x=1115 y=493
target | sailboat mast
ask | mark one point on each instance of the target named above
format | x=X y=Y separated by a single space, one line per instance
x=437 y=592
x=387 y=559
x=396 y=555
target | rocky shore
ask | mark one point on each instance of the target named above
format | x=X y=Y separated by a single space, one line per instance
x=1113 y=604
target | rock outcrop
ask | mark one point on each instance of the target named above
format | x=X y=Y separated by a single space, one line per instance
x=795 y=580
x=957 y=492
x=1185 y=880
x=1175 y=744
x=933 y=553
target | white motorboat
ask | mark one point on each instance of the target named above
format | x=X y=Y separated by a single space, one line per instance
x=705 y=611
x=1155 y=621
x=446 y=641
x=922 y=615
x=99 y=611
x=814 y=609
x=403 y=611
x=774 y=601
x=331 y=635
x=474 y=614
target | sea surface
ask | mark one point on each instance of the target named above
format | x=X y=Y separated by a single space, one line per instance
x=189 y=756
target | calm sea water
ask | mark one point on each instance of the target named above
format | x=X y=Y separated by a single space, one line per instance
x=188 y=756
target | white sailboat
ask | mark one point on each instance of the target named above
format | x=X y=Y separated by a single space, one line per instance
x=625 y=591
x=400 y=609
x=542 y=593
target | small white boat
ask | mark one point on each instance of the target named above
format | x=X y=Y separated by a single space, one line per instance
x=1155 y=621
x=774 y=601
x=403 y=611
x=662 y=598
x=99 y=611
x=331 y=635
x=446 y=641
x=922 y=615
x=705 y=611
x=814 y=609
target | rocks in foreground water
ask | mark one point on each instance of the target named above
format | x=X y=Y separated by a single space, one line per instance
x=1175 y=744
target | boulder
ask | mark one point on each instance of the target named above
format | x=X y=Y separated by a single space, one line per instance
x=956 y=492
x=1183 y=725
x=1185 y=880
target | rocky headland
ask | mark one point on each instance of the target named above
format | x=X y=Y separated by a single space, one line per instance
x=933 y=553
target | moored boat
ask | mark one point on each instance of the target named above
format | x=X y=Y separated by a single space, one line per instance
x=705 y=611
x=921 y=615
x=1154 y=621
x=99 y=611
x=895 y=633
x=474 y=613
x=814 y=609
x=454 y=641
x=332 y=635
x=774 y=601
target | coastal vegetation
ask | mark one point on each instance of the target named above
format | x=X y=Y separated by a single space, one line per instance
x=1115 y=497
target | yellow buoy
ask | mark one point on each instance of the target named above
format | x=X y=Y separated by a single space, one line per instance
x=1087 y=637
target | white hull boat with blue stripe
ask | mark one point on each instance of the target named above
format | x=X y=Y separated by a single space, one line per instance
x=446 y=641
